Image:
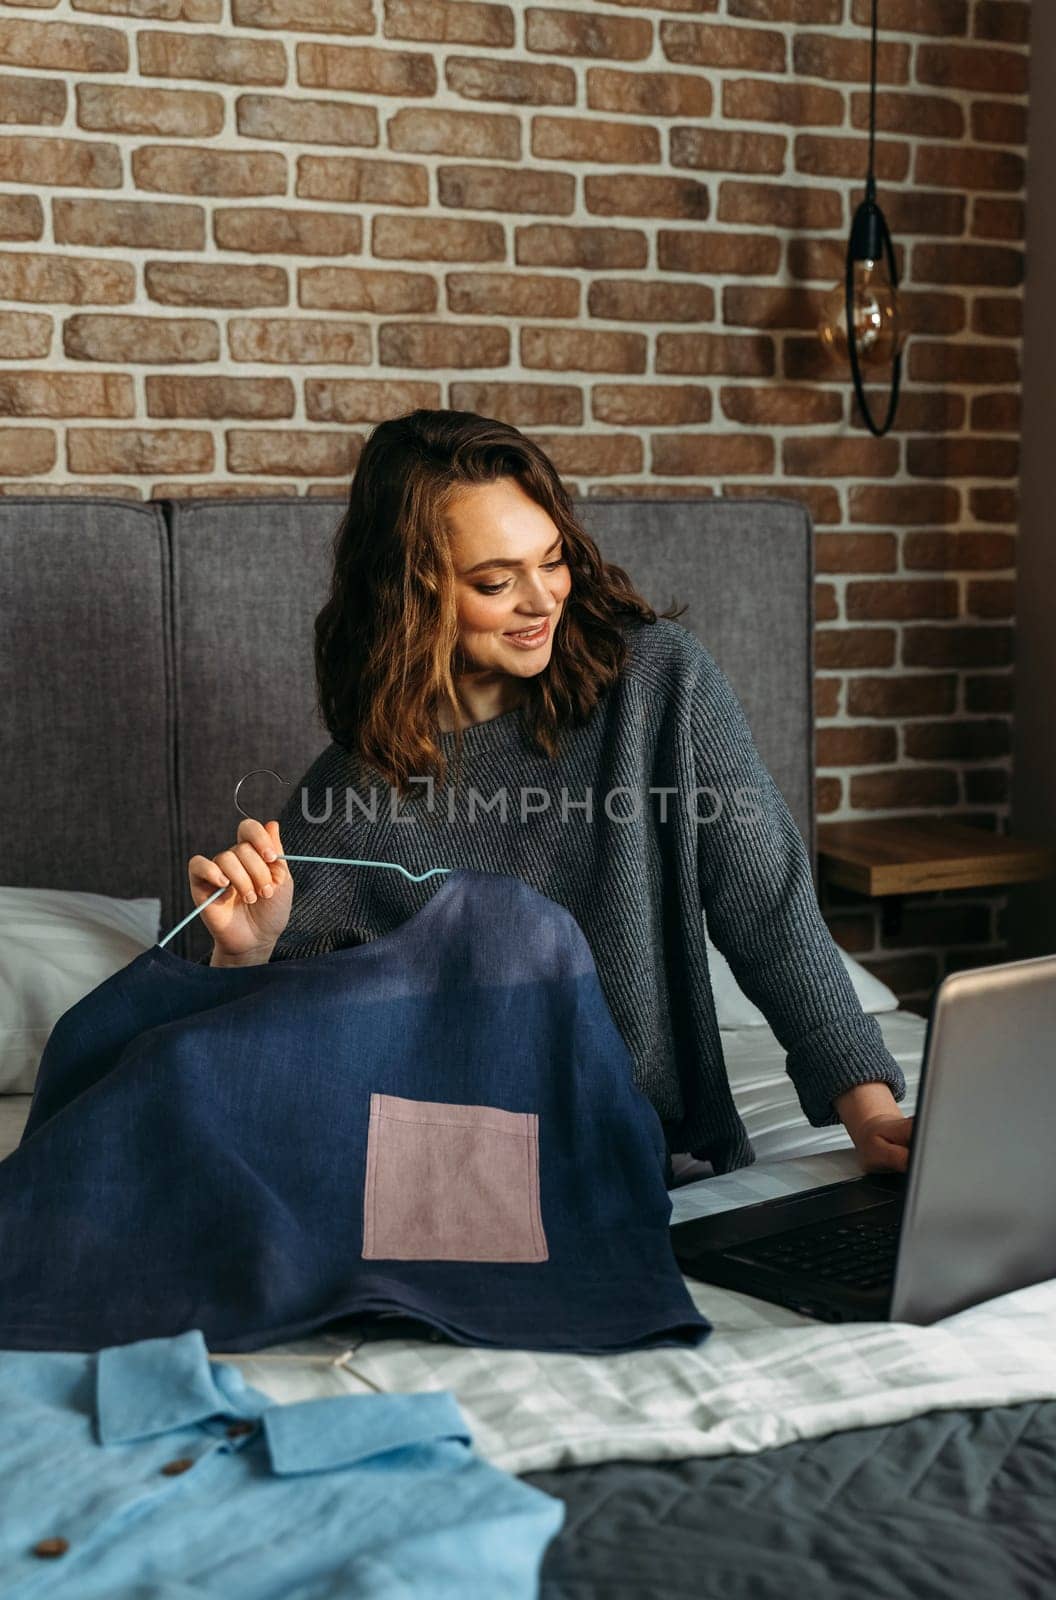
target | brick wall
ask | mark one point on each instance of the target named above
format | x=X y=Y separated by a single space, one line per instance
x=236 y=233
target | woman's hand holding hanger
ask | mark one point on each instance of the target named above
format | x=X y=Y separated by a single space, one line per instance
x=247 y=921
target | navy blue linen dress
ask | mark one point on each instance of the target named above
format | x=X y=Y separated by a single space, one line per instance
x=440 y=1124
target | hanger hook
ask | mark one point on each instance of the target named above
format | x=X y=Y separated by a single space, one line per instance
x=253 y=774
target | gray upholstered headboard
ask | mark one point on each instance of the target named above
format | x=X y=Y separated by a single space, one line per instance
x=153 y=653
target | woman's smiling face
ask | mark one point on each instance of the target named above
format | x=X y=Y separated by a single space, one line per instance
x=510 y=577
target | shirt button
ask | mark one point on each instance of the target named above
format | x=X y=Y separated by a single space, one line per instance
x=51 y=1547
x=238 y=1430
x=172 y=1469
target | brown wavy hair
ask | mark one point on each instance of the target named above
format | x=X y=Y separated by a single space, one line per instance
x=387 y=638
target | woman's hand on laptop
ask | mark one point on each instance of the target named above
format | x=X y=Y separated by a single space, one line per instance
x=879 y=1131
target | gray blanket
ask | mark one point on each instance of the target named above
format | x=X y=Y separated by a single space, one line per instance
x=952 y=1505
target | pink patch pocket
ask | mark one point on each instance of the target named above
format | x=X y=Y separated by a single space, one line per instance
x=451 y=1183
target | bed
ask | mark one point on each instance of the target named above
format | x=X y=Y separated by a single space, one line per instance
x=165 y=649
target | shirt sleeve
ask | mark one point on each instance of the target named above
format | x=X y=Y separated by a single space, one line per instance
x=762 y=911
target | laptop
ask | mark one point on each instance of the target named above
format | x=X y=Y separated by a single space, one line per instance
x=971 y=1218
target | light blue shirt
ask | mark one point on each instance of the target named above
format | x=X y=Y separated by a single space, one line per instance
x=148 y=1472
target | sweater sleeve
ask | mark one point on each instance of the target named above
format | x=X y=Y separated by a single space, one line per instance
x=762 y=912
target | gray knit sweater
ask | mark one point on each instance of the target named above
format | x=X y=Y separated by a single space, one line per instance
x=658 y=808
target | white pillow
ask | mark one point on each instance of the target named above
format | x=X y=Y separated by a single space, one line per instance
x=734 y=1009
x=56 y=946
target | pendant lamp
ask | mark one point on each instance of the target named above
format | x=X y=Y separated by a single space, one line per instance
x=866 y=301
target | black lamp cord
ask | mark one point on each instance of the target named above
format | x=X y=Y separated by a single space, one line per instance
x=870 y=216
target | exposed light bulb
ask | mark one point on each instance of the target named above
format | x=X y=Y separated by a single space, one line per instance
x=878 y=331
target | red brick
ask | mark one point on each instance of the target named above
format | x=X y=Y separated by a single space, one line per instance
x=304 y=16
x=945 y=550
x=138 y=450
x=994 y=504
x=789 y=103
x=779 y=205
x=41 y=101
x=28 y=450
x=650 y=404
x=728 y=253
x=634 y=194
x=365 y=69
x=291 y=450
x=579 y=139
x=65 y=280
x=523 y=404
x=269 y=230
x=435 y=131
x=210 y=56
x=748 y=356
x=446 y=22
x=821 y=156
x=518 y=83
x=66 y=394
x=574 y=33
x=948 y=17
x=997 y=413
x=752 y=306
x=170 y=395
x=719 y=150
x=66 y=162
x=900 y=599
x=437 y=239
x=929 y=116
x=999 y=122
x=969 y=167
x=289 y=340
x=840 y=458
x=551 y=244
x=366 y=289
x=709 y=44
x=998 y=219
x=583 y=350
x=1000 y=316
x=934 y=361
x=512 y=294
x=635 y=300
x=974 y=740
x=990 y=597
x=129 y=224
x=917 y=695
x=855 y=552
x=777 y=405
x=972 y=646
x=902 y=504
x=24 y=336
x=434 y=344
x=594 y=455
x=855 y=747
x=818 y=55
x=505 y=189
x=651 y=94
x=969 y=67
x=962 y=457
x=351 y=400
x=21 y=217
x=854 y=647
x=992 y=691
x=1005 y=20
x=88 y=337
x=215 y=283
x=875 y=791
x=707 y=454
x=62 y=46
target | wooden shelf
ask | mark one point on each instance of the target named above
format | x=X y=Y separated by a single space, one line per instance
x=898 y=855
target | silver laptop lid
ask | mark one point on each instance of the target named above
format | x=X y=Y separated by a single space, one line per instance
x=981 y=1190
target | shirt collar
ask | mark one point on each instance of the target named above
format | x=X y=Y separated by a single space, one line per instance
x=158 y=1385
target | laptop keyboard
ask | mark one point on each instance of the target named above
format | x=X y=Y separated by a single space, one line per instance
x=856 y=1251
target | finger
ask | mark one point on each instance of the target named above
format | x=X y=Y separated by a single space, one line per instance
x=250 y=831
x=206 y=877
x=258 y=870
x=231 y=863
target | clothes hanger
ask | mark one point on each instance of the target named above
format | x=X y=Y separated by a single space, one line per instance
x=342 y=861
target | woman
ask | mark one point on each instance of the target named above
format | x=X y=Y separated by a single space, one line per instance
x=472 y=624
